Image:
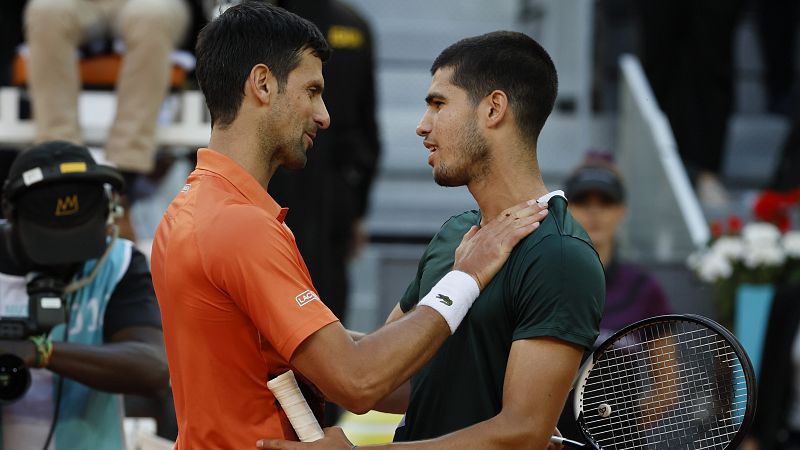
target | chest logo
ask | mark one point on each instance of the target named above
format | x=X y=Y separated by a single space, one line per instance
x=444 y=299
x=306 y=298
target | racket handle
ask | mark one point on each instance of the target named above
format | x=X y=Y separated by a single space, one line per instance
x=566 y=442
x=284 y=388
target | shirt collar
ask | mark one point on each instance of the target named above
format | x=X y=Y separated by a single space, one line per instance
x=219 y=164
x=546 y=197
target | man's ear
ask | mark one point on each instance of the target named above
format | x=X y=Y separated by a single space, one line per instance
x=261 y=84
x=495 y=108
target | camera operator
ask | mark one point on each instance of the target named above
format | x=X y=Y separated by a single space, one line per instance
x=60 y=252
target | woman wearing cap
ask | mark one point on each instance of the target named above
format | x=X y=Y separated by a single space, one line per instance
x=596 y=198
x=597 y=201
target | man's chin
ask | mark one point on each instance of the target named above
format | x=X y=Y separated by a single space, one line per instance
x=296 y=164
x=447 y=181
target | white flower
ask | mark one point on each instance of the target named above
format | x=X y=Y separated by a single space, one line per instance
x=713 y=266
x=791 y=244
x=729 y=247
x=764 y=255
x=760 y=234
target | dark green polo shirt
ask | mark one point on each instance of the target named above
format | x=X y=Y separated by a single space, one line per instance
x=551 y=285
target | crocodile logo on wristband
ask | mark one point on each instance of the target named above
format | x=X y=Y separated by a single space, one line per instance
x=444 y=299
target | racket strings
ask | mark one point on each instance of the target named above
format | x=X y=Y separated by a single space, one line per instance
x=674 y=385
x=661 y=373
x=660 y=389
x=660 y=401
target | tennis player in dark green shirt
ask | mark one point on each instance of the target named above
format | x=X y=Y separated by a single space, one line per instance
x=500 y=381
x=551 y=287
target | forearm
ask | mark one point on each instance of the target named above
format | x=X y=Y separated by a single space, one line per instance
x=367 y=370
x=498 y=432
x=124 y=367
x=387 y=358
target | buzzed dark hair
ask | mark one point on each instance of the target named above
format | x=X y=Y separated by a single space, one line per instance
x=250 y=33
x=511 y=62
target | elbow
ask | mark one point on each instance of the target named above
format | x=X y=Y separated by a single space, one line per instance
x=155 y=374
x=359 y=394
x=160 y=381
x=521 y=433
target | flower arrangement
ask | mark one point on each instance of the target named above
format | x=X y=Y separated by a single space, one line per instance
x=762 y=252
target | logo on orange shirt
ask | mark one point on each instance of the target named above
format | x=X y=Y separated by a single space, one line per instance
x=306 y=298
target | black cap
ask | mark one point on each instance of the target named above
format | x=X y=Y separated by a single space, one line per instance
x=595 y=178
x=60 y=210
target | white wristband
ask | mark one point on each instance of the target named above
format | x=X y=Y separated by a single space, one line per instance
x=452 y=297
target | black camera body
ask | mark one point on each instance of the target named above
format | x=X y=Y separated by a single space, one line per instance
x=46 y=309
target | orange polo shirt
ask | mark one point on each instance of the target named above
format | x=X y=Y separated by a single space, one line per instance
x=236 y=301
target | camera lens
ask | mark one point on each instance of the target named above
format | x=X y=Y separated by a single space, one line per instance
x=15 y=378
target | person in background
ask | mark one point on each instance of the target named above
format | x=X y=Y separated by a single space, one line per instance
x=58 y=204
x=687 y=54
x=149 y=29
x=596 y=196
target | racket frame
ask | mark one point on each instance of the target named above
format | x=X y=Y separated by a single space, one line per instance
x=744 y=359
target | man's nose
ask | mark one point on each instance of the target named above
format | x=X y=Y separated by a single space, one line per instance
x=424 y=126
x=322 y=118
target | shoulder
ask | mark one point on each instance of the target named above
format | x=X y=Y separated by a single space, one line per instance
x=235 y=224
x=559 y=239
x=455 y=227
x=461 y=221
x=557 y=255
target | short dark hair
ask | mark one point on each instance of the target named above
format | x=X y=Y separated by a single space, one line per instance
x=250 y=33
x=511 y=62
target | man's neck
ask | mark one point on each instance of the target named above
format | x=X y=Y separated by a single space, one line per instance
x=244 y=149
x=509 y=182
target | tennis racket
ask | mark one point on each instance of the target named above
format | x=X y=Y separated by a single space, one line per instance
x=668 y=382
x=284 y=388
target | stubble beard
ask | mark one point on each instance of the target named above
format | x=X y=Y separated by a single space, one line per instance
x=291 y=152
x=472 y=162
x=295 y=154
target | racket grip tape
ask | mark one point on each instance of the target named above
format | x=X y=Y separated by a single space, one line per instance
x=284 y=388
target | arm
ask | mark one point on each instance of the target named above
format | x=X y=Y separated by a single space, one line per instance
x=538 y=378
x=397 y=401
x=132 y=357
x=357 y=375
x=133 y=362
